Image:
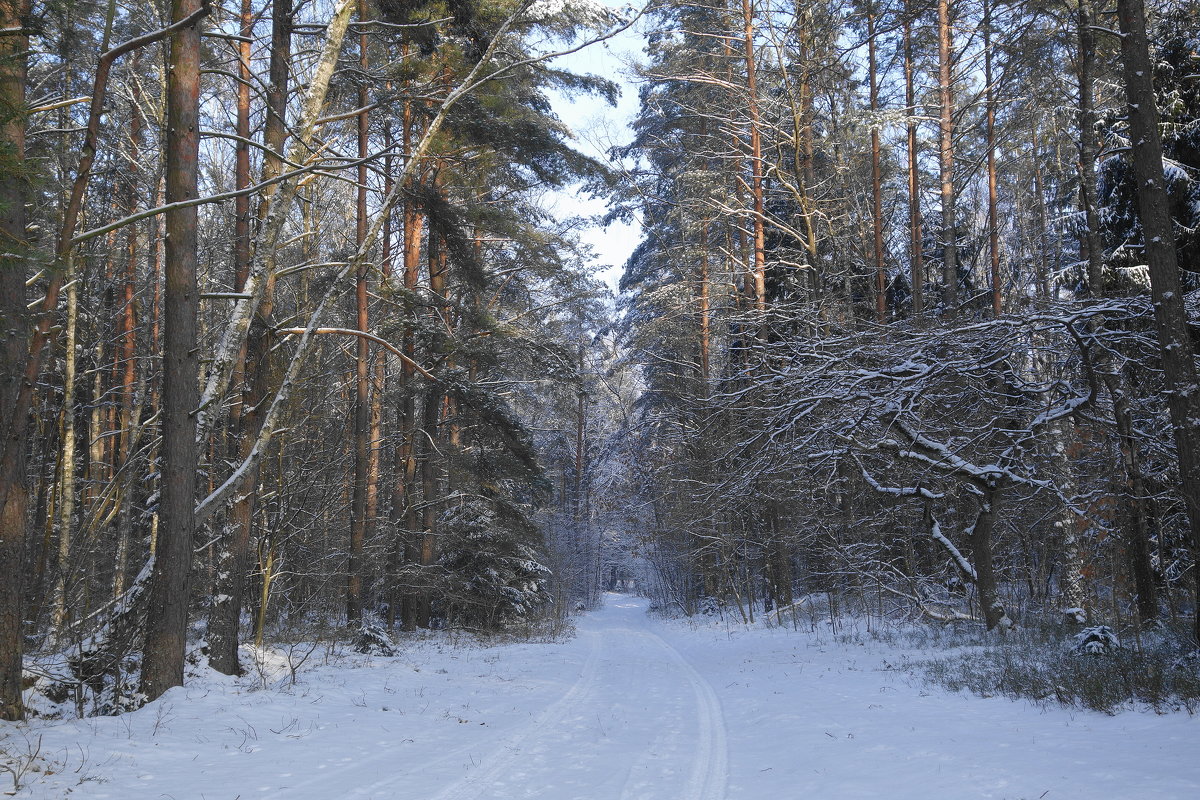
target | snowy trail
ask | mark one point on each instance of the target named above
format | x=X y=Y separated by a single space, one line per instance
x=640 y=720
x=631 y=708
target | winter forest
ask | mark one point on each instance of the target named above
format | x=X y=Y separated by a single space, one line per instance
x=310 y=362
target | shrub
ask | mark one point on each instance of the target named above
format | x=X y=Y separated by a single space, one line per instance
x=1161 y=673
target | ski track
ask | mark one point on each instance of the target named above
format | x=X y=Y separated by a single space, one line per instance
x=535 y=755
x=710 y=767
x=509 y=744
x=709 y=771
x=335 y=779
x=472 y=785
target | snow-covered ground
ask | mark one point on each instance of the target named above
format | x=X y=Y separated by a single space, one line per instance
x=630 y=708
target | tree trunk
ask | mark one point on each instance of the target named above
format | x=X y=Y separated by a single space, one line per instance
x=1088 y=149
x=993 y=221
x=66 y=468
x=1043 y=237
x=1170 y=318
x=14 y=331
x=166 y=630
x=128 y=347
x=429 y=434
x=235 y=559
x=362 y=368
x=1137 y=529
x=232 y=561
x=994 y=614
x=279 y=72
x=876 y=176
x=759 y=273
x=946 y=160
x=916 y=249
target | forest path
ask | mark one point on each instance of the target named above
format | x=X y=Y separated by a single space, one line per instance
x=630 y=708
x=638 y=723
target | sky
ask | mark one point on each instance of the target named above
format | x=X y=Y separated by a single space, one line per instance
x=597 y=127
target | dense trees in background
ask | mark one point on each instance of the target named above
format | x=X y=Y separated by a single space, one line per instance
x=291 y=343
x=915 y=315
x=287 y=335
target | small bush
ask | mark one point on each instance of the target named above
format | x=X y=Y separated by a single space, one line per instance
x=1099 y=640
x=373 y=639
x=1091 y=671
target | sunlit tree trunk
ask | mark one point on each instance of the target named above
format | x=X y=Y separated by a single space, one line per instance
x=946 y=160
x=915 y=246
x=992 y=202
x=166 y=630
x=362 y=367
x=406 y=453
x=759 y=271
x=14 y=332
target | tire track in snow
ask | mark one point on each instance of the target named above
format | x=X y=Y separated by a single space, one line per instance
x=709 y=775
x=512 y=740
x=474 y=784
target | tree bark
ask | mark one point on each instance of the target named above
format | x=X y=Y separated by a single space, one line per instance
x=1170 y=317
x=128 y=345
x=990 y=604
x=759 y=274
x=992 y=203
x=916 y=249
x=946 y=160
x=14 y=330
x=406 y=452
x=1043 y=237
x=235 y=561
x=1088 y=149
x=876 y=175
x=166 y=630
x=232 y=553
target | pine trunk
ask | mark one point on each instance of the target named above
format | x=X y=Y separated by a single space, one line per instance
x=1170 y=318
x=946 y=160
x=916 y=249
x=362 y=372
x=876 y=177
x=14 y=331
x=162 y=666
x=992 y=203
x=1088 y=149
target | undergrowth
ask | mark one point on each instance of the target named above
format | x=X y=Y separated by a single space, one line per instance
x=1047 y=665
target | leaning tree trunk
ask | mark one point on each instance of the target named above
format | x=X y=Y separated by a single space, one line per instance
x=166 y=629
x=1170 y=316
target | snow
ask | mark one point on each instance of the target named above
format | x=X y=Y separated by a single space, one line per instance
x=630 y=707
